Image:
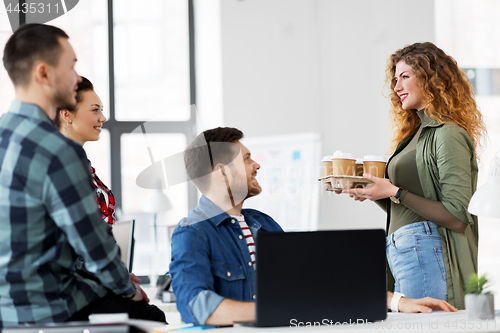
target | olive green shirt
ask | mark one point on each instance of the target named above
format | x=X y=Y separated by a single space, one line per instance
x=447 y=169
x=402 y=172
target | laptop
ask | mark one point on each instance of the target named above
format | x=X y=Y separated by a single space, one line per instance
x=123 y=232
x=320 y=278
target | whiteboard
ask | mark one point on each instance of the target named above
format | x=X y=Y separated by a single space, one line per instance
x=290 y=168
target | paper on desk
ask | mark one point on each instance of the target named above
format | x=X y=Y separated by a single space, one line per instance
x=167 y=328
x=141 y=324
x=153 y=326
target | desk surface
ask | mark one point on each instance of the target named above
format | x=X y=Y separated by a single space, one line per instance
x=435 y=322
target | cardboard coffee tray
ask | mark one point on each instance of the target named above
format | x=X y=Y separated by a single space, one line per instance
x=339 y=183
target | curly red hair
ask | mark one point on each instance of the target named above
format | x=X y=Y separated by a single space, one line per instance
x=446 y=90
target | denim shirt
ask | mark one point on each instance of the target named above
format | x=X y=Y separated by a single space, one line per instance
x=210 y=261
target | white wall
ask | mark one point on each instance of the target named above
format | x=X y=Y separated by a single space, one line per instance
x=291 y=66
x=270 y=57
x=357 y=37
x=208 y=63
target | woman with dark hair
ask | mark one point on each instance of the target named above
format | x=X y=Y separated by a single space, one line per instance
x=432 y=239
x=83 y=124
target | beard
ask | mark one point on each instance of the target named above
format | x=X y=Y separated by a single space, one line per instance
x=243 y=191
x=253 y=190
x=238 y=193
x=64 y=99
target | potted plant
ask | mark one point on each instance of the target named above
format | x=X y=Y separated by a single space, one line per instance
x=478 y=304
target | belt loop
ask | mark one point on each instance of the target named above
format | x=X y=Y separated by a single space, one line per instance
x=427 y=228
x=392 y=238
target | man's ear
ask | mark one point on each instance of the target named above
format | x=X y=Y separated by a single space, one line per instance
x=220 y=172
x=41 y=72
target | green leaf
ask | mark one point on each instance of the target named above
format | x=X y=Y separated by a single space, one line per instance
x=475 y=284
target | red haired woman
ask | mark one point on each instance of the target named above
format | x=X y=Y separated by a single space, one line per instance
x=432 y=239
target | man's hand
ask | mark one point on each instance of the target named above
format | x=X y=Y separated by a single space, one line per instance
x=139 y=293
x=424 y=305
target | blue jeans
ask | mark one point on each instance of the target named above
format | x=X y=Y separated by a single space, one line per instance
x=415 y=256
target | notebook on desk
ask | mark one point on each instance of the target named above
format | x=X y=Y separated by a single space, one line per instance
x=123 y=232
x=70 y=327
x=324 y=277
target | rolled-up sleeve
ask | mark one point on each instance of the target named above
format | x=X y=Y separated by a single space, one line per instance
x=192 y=279
x=454 y=154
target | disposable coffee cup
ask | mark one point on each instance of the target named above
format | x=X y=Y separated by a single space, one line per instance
x=343 y=164
x=359 y=167
x=374 y=165
x=327 y=166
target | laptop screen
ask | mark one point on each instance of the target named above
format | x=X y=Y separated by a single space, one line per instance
x=123 y=232
x=320 y=276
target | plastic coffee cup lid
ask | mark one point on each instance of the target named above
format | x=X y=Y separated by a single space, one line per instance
x=338 y=155
x=327 y=158
x=374 y=158
x=359 y=161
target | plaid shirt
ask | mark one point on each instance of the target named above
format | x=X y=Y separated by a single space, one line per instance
x=48 y=218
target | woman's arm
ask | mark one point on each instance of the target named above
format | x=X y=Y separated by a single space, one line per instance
x=423 y=305
x=451 y=173
x=382 y=203
x=431 y=210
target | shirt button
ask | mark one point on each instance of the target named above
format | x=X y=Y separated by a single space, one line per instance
x=233 y=221
x=249 y=263
x=253 y=296
x=241 y=237
x=228 y=273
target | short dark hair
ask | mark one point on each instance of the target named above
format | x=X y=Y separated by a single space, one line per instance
x=30 y=43
x=83 y=86
x=200 y=159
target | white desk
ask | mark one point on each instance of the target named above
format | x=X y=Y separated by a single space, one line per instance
x=436 y=322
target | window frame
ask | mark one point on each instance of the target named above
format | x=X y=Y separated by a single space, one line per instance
x=116 y=128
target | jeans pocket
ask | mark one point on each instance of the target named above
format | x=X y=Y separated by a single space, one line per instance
x=440 y=258
x=430 y=250
x=405 y=243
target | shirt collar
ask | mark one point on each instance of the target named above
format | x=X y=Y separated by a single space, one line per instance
x=207 y=210
x=212 y=211
x=30 y=111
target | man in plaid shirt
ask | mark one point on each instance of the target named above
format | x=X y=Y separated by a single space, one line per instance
x=48 y=213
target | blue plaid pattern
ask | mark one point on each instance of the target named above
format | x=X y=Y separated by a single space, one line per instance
x=49 y=217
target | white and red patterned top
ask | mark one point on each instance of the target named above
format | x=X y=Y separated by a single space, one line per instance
x=248 y=237
x=105 y=199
